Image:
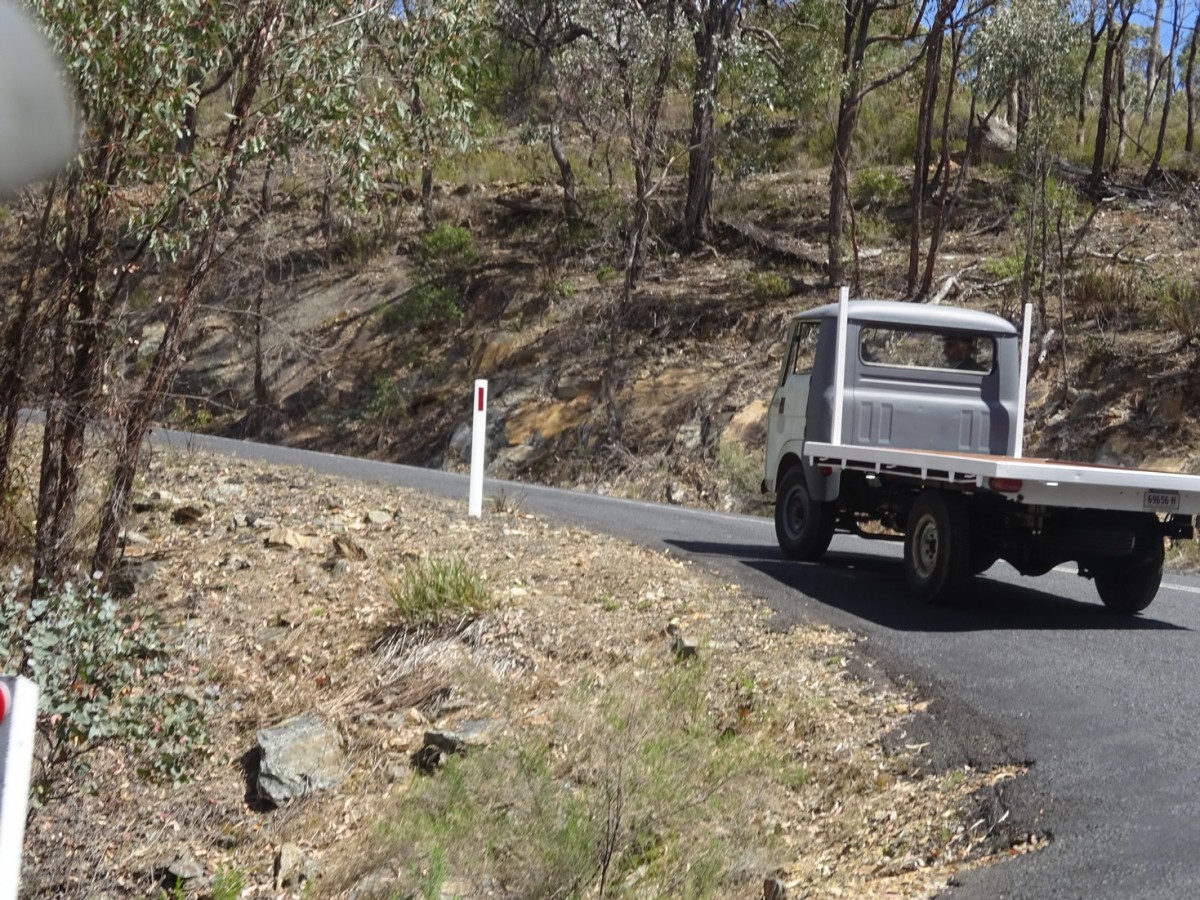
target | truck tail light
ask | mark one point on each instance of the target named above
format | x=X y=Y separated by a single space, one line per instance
x=825 y=471
x=1006 y=485
x=5 y=702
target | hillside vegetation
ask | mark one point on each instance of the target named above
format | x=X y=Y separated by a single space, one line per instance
x=318 y=224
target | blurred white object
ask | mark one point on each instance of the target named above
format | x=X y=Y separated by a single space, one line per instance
x=37 y=125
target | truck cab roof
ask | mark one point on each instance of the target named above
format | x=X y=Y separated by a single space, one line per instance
x=915 y=315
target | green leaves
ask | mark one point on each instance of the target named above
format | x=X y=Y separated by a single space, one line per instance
x=105 y=675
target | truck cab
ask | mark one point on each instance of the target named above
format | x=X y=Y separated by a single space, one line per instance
x=919 y=377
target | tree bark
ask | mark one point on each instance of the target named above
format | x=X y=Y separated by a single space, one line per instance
x=1154 y=171
x=713 y=22
x=1189 y=87
x=922 y=152
x=855 y=24
x=20 y=334
x=167 y=359
x=1115 y=37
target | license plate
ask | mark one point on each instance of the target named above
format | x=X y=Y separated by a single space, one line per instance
x=1161 y=501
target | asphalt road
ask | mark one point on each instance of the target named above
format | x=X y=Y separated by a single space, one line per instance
x=1104 y=707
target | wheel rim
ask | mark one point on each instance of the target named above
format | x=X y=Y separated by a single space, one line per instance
x=926 y=545
x=796 y=513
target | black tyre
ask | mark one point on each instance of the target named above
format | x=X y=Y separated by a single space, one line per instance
x=803 y=526
x=1128 y=585
x=937 y=546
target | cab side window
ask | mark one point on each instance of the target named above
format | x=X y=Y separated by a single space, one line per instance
x=804 y=349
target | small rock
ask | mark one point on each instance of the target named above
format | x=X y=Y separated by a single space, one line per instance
x=774 y=889
x=187 y=514
x=154 y=500
x=684 y=648
x=182 y=869
x=285 y=538
x=292 y=867
x=379 y=517
x=347 y=548
x=299 y=756
x=224 y=492
x=234 y=563
x=133 y=538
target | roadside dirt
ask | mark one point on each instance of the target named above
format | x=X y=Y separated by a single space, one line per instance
x=278 y=584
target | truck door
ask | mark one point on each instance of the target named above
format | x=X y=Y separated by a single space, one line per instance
x=787 y=417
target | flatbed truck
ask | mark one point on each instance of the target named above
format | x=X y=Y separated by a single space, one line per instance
x=905 y=421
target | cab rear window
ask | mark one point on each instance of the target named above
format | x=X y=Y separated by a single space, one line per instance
x=941 y=350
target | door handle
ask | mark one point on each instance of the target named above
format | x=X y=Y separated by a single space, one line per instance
x=782 y=400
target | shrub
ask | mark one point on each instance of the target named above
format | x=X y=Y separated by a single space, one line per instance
x=425 y=306
x=439 y=593
x=385 y=402
x=767 y=286
x=1105 y=294
x=105 y=678
x=442 y=260
x=1181 y=309
x=445 y=253
x=879 y=187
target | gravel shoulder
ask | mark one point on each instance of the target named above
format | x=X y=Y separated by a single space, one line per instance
x=279 y=585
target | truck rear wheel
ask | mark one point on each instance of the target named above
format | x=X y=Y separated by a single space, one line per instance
x=1130 y=584
x=937 y=546
x=803 y=526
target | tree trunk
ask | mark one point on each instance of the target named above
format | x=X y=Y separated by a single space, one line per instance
x=1115 y=37
x=1089 y=61
x=1152 y=59
x=925 y=111
x=20 y=335
x=855 y=23
x=572 y=211
x=938 y=227
x=1154 y=171
x=713 y=24
x=1189 y=87
x=1122 y=110
x=167 y=358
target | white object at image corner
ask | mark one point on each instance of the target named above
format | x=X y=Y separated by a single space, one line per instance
x=37 y=124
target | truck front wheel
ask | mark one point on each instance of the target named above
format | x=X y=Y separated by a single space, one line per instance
x=1131 y=583
x=937 y=551
x=803 y=526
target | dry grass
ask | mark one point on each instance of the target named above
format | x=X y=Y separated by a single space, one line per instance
x=617 y=767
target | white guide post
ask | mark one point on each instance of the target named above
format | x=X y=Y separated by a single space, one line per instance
x=1019 y=428
x=839 y=365
x=478 y=441
x=18 y=717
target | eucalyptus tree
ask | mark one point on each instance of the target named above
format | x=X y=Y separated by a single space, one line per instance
x=544 y=28
x=1118 y=14
x=714 y=24
x=626 y=67
x=950 y=25
x=1165 y=73
x=1189 y=83
x=859 y=34
x=298 y=74
x=1031 y=45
